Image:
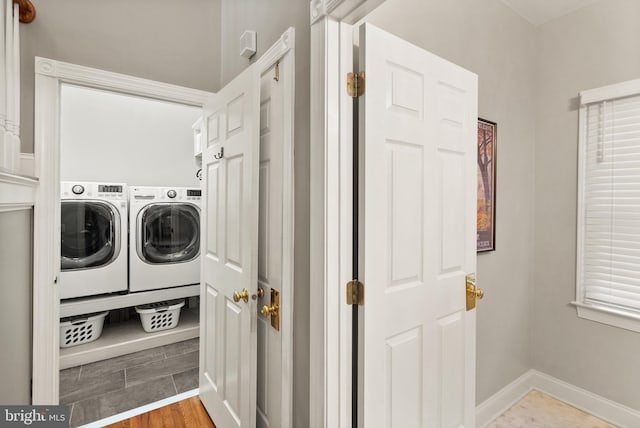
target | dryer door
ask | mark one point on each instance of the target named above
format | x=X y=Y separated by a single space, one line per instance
x=89 y=234
x=169 y=233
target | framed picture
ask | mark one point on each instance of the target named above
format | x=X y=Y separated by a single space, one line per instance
x=487 y=138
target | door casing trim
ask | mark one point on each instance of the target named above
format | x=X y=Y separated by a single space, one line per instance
x=331 y=208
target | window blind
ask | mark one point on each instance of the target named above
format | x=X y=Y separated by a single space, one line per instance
x=610 y=203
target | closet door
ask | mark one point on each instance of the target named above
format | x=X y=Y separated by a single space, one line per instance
x=418 y=164
x=228 y=337
x=270 y=252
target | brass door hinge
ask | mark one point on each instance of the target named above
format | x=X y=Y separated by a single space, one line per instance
x=355 y=84
x=355 y=293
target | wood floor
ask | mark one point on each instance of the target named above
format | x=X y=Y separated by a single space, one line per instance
x=189 y=413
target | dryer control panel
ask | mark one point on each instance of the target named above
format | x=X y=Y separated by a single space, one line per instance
x=166 y=194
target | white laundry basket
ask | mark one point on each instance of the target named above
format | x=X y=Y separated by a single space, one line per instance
x=81 y=329
x=160 y=315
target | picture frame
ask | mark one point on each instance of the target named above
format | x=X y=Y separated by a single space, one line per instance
x=486 y=210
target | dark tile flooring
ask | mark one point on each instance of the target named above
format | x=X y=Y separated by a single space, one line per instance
x=105 y=388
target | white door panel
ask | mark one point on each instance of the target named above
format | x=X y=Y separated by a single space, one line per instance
x=270 y=260
x=230 y=252
x=417 y=139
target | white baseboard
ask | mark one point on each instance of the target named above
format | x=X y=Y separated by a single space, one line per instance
x=601 y=407
x=594 y=404
x=502 y=400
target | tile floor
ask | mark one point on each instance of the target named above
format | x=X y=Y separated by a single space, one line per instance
x=538 y=410
x=104 y=388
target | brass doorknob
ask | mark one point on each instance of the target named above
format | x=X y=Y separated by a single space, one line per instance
x=473 y=292
x=268 y=311
x=273 y=311
x=241 y=295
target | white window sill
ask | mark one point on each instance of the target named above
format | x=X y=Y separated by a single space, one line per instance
x=610 y=316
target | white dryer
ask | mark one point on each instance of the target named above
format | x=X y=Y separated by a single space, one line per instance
x=94 y=230
x=164 y=246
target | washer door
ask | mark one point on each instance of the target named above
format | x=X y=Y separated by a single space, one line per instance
x=89 y=234
x=170 y=233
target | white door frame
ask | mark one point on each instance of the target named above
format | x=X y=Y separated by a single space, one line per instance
x=331 y=222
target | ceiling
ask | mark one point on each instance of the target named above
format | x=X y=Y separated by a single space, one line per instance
x=540 y=11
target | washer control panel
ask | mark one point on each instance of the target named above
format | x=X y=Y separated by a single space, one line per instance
x=88 y=190
x=194 y=194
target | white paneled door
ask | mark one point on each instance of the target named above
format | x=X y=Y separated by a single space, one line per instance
x=418 y=188
x=270 y=260
x=230 y=163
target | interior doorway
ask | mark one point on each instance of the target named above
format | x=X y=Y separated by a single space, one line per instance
x=130 y=205
x=51 y=75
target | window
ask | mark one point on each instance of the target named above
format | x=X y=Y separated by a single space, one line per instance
x=608 y=265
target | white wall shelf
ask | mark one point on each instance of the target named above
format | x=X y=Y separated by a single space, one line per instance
x=106 y=303
x=128 y=337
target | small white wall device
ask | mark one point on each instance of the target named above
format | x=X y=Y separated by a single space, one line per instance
x=248 y=44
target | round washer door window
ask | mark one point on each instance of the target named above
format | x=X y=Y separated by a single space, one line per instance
x=170 y=233
x=88 y=234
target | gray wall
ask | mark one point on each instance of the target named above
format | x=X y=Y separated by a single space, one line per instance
x=489 y=39
x=150 y=141
x=270 y=19
x=168 y=41
x=15 y=306
x=595 y=46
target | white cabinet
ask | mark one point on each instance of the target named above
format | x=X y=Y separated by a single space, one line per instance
x=197 y=138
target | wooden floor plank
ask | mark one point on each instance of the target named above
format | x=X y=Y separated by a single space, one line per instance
x=183 y=414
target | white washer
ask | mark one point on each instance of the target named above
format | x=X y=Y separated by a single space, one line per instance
x=94 y=228
x=164 y=246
